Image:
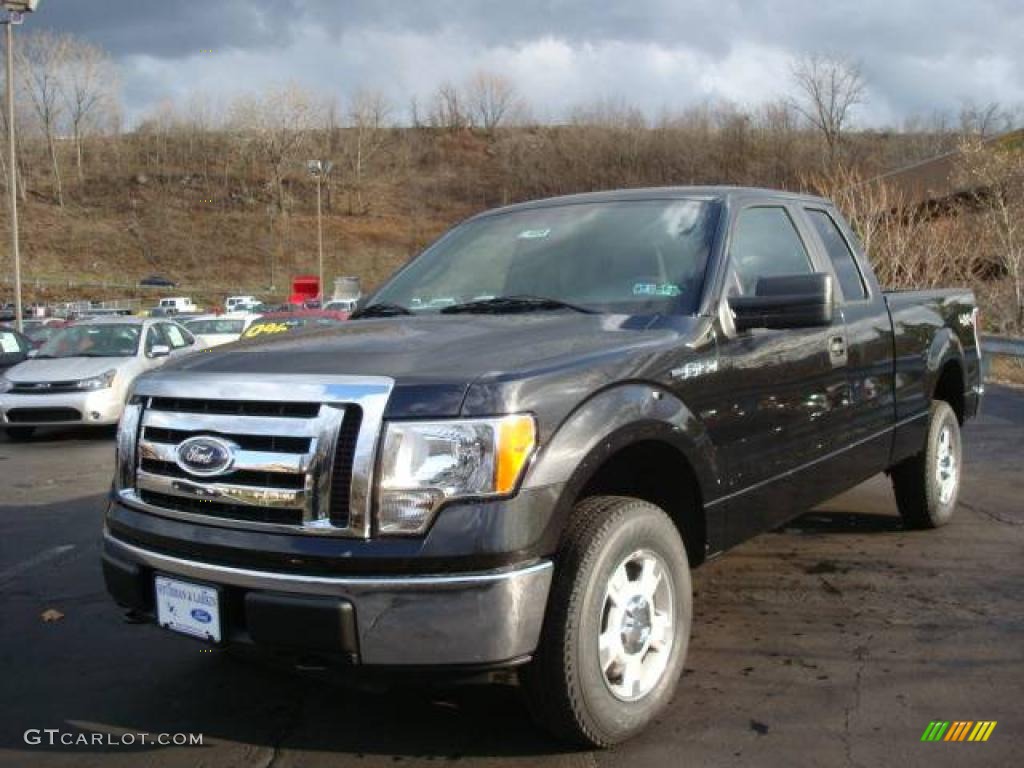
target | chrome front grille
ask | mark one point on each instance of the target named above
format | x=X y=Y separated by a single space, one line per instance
x=302 y=450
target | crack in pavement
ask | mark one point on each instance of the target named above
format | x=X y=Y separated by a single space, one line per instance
x=291 y=720
x=861 y=652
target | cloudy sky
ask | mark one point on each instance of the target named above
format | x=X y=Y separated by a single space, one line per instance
x=918 y=56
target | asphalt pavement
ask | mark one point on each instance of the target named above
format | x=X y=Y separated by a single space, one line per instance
x=832 y=642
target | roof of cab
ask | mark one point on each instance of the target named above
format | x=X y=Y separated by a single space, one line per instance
x=657 y=193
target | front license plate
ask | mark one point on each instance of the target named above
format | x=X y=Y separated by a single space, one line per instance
x=192 y=609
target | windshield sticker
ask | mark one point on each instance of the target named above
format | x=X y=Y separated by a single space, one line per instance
x=656 y=289
x=534 y=234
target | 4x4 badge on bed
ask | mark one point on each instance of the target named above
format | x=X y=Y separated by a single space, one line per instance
x=205 y=456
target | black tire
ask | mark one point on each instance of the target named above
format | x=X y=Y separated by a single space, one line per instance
x=920 y=495
x=20 y=434
x=566 y=689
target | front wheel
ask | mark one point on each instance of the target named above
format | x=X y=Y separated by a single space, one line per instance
x=617 y=625
x=927 y=485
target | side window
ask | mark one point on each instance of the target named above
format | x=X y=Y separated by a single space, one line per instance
x=155 y=338
x=178 y=337
x=845 y=265
x=765 y=243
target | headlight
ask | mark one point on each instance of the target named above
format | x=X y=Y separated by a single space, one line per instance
x=425 y=463
x=102 y=381
x=5 y=384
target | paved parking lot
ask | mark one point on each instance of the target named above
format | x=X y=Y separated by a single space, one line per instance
x=832 y=642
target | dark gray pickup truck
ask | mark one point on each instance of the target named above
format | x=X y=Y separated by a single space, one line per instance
x=515 y=452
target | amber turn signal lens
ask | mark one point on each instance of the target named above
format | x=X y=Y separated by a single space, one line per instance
x=517 y=437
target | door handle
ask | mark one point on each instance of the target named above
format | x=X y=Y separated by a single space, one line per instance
x=837 y=348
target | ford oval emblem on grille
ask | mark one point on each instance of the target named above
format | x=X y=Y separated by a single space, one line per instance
x=205 y=456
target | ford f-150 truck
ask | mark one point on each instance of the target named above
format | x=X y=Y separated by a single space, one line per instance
x=525 y=439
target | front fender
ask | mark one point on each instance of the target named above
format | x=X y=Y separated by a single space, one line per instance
x=613 y=419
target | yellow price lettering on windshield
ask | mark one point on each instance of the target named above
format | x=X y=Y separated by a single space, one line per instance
x=266 y=328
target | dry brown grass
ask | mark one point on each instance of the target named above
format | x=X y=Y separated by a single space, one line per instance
x=1007 y=370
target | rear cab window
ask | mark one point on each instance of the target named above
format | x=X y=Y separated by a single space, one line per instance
x=848 y=273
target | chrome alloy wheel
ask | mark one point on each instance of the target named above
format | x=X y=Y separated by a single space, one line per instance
x=637 y=626
x=946 y=467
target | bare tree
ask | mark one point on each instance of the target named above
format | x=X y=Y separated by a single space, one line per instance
x=276 y=127
x=448 y=110
x=828 y=88
x=994 y=173
x=42 y=60
x=367 y=115
x=984 y=120
x=88 y=85
x=490 y=97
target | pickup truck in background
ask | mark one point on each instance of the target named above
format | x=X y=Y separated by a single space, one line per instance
x=523 y=442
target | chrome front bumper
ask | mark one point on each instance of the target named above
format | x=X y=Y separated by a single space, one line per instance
x=479 y=618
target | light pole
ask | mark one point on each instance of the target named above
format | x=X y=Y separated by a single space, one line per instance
x=319 y=170
x=16 y=9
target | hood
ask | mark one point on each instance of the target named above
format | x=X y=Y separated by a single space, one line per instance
x=435 y=358
x=64 y=368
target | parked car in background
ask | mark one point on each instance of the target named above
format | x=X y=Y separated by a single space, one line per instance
x=240 y=303
x=341 y=305
x=275 y=323
x=82 y=374
x=14 y=347
x=157 y=281
x=179 y=304
x=215 y=330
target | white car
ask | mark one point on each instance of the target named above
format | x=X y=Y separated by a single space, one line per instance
x=240 y=303
x=81 y=375
x=215 y=330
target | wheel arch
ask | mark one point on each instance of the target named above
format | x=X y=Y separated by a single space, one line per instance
x=619 y=442
x=947 y=374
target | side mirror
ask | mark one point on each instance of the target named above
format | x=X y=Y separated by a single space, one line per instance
x=160 y=350
x=787 y=301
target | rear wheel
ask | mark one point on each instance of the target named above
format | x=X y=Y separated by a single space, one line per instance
x=617 y=625
x=20 y=434
x=927 y=485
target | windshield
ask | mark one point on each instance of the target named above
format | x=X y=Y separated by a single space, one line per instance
x=41 y=333
x=632 y=257
x=219 y=325
x=107 y=340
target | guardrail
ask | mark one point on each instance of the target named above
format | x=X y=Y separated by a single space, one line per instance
x=1002 y=345
x=998 y=346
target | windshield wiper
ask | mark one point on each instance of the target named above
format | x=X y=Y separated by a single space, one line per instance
x=382 y=309
x=508 y=304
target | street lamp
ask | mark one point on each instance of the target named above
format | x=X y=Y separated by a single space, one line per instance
x=319 y=169
x=16 y=10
